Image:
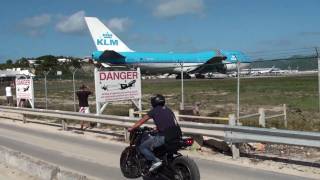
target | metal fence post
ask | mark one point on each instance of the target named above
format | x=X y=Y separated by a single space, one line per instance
x=238 y=89
x=74 y=90
x=45 y=88
x=285 y=115
x=262 y=117
x=318 y=57
x=182 y=88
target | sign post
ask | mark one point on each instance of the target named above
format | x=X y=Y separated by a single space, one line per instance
x=114 y=86
x=24 y=90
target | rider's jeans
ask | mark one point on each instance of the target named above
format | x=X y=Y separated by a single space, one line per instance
x=148 y=145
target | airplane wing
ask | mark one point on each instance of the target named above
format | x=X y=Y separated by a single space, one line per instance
x=216 y=60
x=110 y=55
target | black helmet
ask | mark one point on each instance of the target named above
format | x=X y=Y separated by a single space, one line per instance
x=158 y=100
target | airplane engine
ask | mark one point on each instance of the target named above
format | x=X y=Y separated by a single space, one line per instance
x=231 y=67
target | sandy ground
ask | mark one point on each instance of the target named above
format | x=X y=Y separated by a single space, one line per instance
x=205 y=153
x=7 y=173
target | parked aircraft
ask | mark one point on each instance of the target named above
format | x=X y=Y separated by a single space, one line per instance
x=259 y=71
x=112 y=51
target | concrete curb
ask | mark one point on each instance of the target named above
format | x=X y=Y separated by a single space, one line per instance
x=36 y=168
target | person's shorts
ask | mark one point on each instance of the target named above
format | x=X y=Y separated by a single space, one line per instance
x=84 y=110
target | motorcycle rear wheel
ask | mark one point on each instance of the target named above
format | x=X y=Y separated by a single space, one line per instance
x=186 y=169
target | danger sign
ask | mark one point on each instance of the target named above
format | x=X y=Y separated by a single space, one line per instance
x=117 y=85
x=24 y=88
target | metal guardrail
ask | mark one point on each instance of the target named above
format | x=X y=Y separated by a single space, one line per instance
x=262 y=117
x=132 y=112
x=230 y=133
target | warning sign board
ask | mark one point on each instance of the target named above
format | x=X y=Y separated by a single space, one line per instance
x=24 y=88
x=117 y=85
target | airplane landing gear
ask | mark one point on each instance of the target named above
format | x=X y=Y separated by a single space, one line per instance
x=185 y=76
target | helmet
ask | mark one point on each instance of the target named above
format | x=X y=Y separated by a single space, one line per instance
x=158 y=100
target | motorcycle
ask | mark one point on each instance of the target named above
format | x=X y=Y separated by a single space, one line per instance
x=174 y=166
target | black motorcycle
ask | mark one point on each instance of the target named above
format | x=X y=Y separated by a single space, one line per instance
x=174 y=166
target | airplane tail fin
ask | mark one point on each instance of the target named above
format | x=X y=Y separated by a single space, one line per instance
x=103 y=38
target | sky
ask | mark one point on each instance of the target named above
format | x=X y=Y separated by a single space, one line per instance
x=32 y=28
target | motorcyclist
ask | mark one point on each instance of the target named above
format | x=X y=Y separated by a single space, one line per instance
x=167 y=129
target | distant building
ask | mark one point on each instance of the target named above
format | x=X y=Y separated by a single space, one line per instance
x=32 y=61
x=13 y=72
x=9 y=75
x=64 y=60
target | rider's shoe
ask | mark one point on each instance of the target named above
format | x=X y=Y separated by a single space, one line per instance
x=155 y=166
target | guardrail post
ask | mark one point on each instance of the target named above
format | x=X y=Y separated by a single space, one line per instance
x=126 y=135
x=234 y=147
x=24 y=118
x=235 y=151
x=176 y=114
x=64 y=125
x=131 y=113
x=285 y=115
x=262 y=117
x=232 y=120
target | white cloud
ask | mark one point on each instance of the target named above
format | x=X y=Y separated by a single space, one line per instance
x=33 y=26
x=172 y=8
x=119 y=24
x=72 y=24
x=37 y=21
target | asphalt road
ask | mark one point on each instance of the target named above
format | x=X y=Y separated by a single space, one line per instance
x=100 y=160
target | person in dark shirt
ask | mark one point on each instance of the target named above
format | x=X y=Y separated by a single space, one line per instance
x=166 y=125
x=83 y=95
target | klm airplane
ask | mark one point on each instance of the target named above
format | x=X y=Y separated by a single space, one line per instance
x=112 y=51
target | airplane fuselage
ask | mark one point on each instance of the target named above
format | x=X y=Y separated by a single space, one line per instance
x=173 y=62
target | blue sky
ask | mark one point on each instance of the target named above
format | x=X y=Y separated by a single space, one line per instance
x=33 y=28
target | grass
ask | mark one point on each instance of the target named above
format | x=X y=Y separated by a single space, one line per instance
x=216 y=96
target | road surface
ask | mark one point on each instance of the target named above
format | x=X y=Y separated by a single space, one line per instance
x=100 y=159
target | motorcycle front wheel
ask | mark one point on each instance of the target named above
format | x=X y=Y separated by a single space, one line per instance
x=128 y=163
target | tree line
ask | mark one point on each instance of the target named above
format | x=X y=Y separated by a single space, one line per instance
x=44 y=64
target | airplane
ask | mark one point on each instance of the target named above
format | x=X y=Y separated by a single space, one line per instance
x=112 y=51
x=120 y=86
x=260 y=71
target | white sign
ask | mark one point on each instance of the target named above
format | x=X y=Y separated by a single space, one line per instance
x=117 y=85
x=24 y=88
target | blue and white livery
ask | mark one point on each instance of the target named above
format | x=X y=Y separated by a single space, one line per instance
x=111 y=50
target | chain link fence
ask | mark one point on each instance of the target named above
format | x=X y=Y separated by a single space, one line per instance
x=292 y=80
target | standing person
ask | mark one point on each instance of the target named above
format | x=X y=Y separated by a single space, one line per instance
x=9 y=94
x=167 y=129
x=83 y=95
